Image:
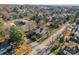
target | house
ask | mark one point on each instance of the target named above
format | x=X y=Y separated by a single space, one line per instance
x=39 y=30
x=68 y=50
x=76 y=40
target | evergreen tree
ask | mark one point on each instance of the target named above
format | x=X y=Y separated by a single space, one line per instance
x=16 y=35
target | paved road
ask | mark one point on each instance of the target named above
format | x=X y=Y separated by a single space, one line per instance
x=43 y=47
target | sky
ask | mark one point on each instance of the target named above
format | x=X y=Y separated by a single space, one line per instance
x=43 y=2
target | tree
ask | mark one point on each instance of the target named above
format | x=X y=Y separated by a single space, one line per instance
x=77 y=15
x=54 y=48
x=1 y=29
x=16 y=35
x=53 y=25
x=61 y=39
x=33 y=18
x=1 y=24
x=36 y=19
